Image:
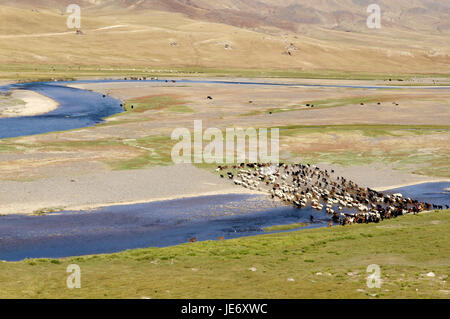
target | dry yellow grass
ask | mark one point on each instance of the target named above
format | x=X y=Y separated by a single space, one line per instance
x=161 y=39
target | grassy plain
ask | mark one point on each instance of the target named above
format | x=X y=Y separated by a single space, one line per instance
x=46 y=72
x=319 y=263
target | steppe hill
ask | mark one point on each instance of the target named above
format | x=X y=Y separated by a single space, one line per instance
x=305 y=35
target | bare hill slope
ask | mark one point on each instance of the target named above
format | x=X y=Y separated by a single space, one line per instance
x=266 y=34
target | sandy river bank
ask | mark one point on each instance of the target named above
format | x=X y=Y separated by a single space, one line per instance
x=29 y=103
x=111 y=188
x=107 y=188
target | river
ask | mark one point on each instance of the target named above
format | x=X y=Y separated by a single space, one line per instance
x=82 y=108
x=165 y=223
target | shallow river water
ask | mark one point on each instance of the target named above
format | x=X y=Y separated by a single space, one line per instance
x=165 y=223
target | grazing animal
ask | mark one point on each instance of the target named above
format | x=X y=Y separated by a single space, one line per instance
x=193 y=239
x=221 y=238
x=209 y=97
x=298 y=184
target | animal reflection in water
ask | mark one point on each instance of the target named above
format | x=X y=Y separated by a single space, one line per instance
x=301 y=185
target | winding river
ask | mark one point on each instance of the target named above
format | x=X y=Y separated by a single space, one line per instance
x=77 y=109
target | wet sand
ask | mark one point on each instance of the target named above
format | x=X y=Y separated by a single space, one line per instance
x=35 y=104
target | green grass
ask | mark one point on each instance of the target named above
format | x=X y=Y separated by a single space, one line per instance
x=404 y=158
x=7 y=101
x=421 y=84
x=45 y=211
x=160 y=102
x=253 y=113
x=36 y=72
x=157 y=151
x=7 y=148
x=118 y=119
x=370 y=130
x=323 y=104
x=284 y=227
x=154 y=149
x=11 y=145
x=135 y=108
x=180 y=109
x=326 y=103
x=336 y=102
x=325 y=263
x=433 y=162
x=367 y=130
x=347 y=158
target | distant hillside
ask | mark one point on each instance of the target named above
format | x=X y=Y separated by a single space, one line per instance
x=293 y=34
x=432 y=15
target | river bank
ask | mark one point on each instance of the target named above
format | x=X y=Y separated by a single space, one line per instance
x=164 y=223
x=107 y=188
x=29 y=103
x=111 y=188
